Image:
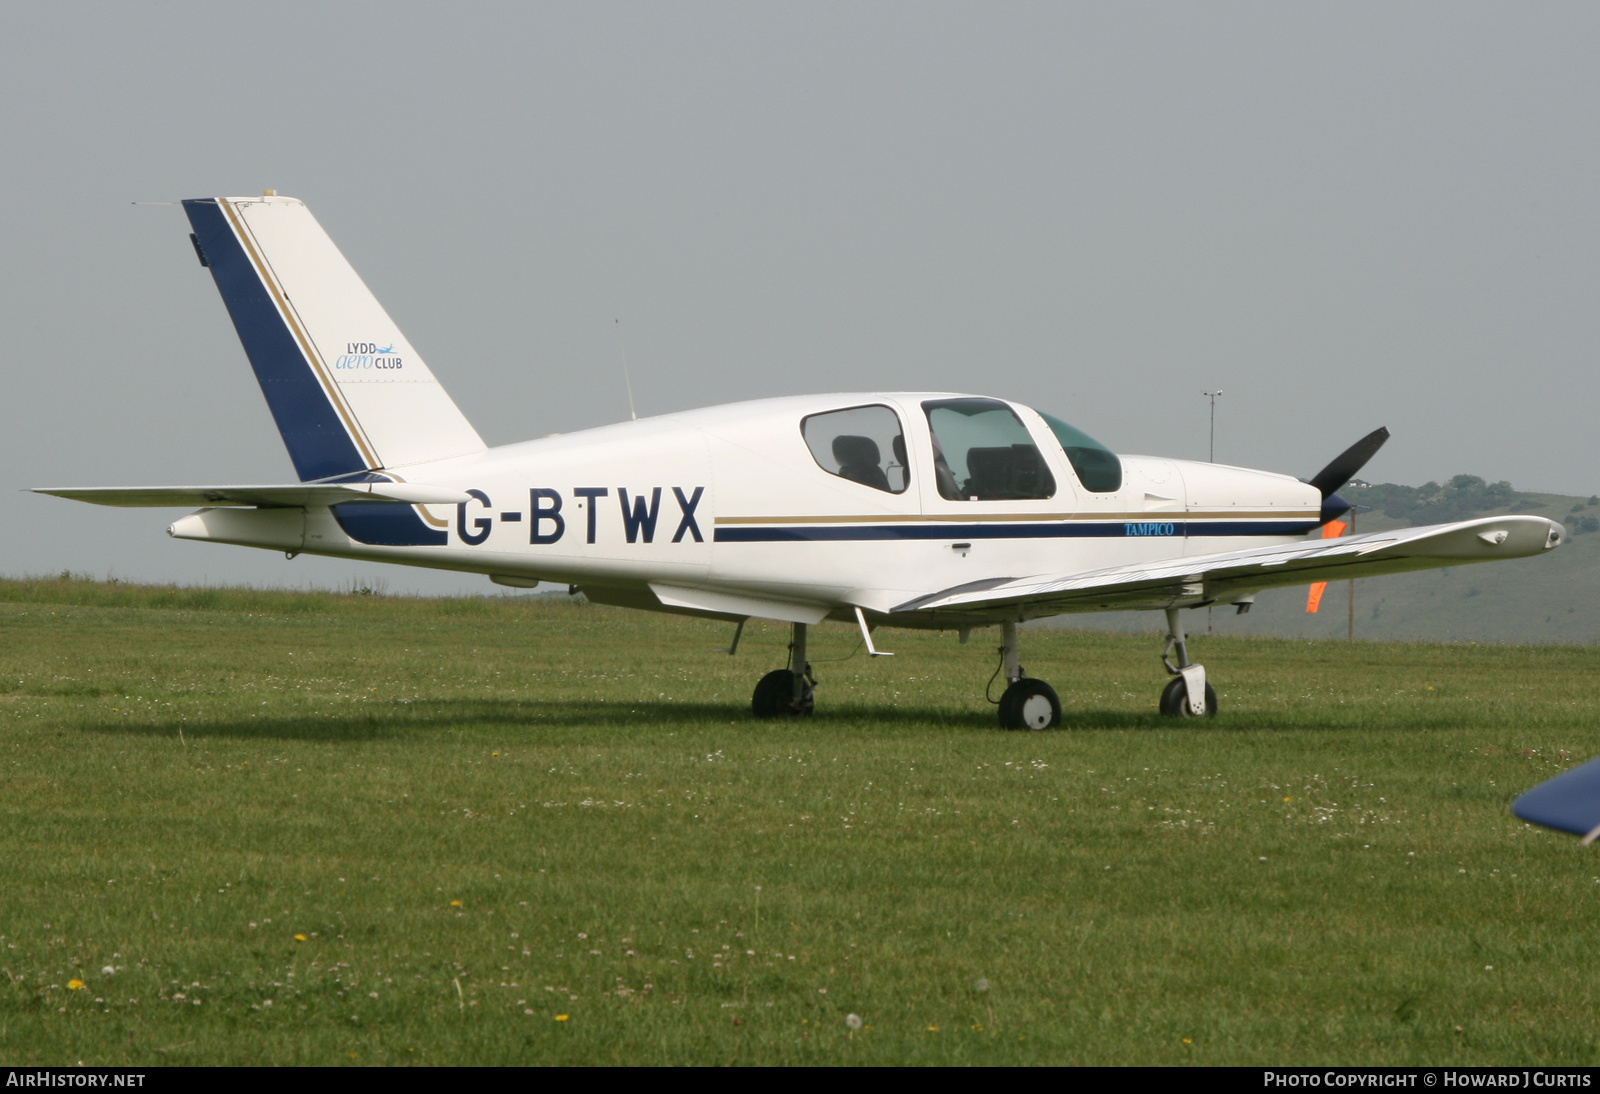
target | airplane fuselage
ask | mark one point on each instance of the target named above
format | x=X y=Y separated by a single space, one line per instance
x=727 y=511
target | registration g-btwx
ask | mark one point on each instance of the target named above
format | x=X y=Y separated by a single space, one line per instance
x=880 y=509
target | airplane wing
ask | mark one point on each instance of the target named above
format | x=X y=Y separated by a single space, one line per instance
x=292 y=495
x=1203 y=579
x=1570 y=802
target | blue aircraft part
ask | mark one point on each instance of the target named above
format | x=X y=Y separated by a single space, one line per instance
x=1570 y=802
x=385 y=524
x=318 y=443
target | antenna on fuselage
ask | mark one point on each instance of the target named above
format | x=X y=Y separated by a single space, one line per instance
x=626 y=379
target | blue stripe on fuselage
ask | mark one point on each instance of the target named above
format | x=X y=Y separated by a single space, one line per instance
x=1004 y=530
x=384 y=524
x=317 y=440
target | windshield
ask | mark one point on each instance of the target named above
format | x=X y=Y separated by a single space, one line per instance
x=1097 y=466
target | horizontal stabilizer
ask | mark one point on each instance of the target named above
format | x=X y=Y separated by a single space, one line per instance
x=261 y=497
x=1202 y=579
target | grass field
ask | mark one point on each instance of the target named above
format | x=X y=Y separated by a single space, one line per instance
x=303 y=828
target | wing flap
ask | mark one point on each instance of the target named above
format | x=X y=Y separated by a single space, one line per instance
x=1202 y=578
x=737 y=604
x=292 y=495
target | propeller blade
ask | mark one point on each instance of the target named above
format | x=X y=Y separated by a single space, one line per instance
x=1347 y=463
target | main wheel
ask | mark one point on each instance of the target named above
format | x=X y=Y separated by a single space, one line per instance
x=774 y=697
x=1175 y=700
x=1030 y=704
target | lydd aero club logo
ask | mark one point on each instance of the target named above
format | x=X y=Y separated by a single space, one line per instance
x=368 y=355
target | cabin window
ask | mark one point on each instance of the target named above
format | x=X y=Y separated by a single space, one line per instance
x=864 y=444
x=983 y=452
x=1098 y=468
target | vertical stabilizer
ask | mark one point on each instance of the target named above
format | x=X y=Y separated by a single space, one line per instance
x=346 y=389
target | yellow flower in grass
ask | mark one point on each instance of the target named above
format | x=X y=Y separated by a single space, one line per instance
x=76 y=985
x=562 y=1017
x=455 y=904
x=299 y=938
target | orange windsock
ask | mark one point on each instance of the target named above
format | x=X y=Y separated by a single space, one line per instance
x=1332 y=530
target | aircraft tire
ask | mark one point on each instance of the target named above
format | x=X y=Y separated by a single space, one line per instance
x=1175 y=700
x=1030 y=704
x=774 y=697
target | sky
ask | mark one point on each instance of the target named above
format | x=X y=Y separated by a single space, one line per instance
x=1341 y=215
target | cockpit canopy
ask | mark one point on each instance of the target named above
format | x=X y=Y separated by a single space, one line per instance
x=981 y=451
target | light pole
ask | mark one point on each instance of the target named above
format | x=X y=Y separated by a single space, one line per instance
x=1212 y=395
x=1351 y=633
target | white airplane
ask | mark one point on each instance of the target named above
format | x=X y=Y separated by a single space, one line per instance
x=922 y=509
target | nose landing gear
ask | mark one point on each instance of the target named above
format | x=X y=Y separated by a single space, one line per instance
x=1187 y=695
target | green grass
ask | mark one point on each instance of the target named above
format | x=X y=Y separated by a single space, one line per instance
x=1326 y=873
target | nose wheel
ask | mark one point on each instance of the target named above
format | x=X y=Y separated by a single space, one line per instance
x=1175 y=700
x=1187 y=694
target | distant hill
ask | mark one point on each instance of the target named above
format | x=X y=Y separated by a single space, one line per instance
x=1462 y=498
x=1551 y=598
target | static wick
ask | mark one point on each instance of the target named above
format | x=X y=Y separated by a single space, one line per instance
x=626 y=379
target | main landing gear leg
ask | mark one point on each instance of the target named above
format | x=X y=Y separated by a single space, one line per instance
x=787 y=693
x=1187 y=695
x=1027 y=703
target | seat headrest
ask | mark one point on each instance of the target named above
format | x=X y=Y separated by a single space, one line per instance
x=853 y=451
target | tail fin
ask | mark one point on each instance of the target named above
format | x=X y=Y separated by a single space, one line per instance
x=346 y=389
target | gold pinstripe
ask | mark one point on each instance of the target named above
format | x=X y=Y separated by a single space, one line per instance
x=429 y=518
x=421 y=510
